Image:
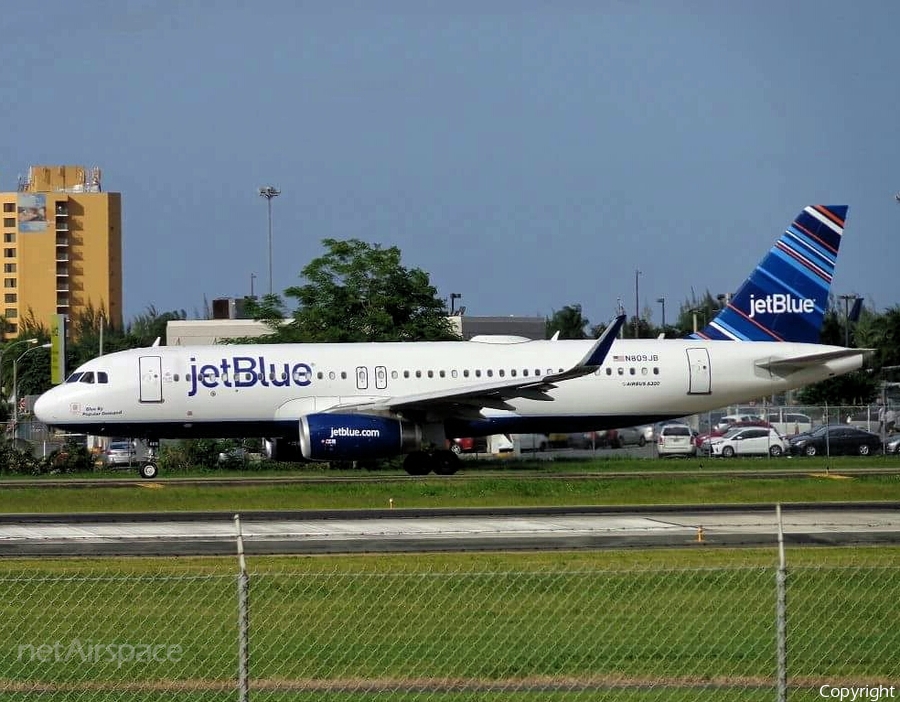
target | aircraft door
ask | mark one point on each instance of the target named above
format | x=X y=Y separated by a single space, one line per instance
x=380 y=378
x=362 y=378
x=150 y=368
x=700 y=378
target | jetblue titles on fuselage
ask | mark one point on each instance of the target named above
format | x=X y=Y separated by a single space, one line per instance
x=246 y=372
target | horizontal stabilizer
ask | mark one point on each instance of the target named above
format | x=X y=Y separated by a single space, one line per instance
x=786 y=366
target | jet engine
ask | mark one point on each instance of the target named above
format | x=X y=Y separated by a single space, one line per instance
x=351 y=437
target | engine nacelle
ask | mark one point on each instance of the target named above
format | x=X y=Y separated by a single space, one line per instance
x=351 y=437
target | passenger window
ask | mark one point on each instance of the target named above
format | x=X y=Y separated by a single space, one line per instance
x=609 y=371
x=631 y=371
x=478 y=373
x=343 y=375
x=443 y=374
x=394 y=375
x=320 y=375
x=466 y=373
x=418 y=374
x=430 y=374
x=453 y=374
x=331 y=375
x=513 y=372
x=490 y=373
x=525 y=372
x=621 y=370
x=656 y=371
x=405 y=374
x=501 y=372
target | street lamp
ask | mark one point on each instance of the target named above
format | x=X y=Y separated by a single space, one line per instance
x=269 y=192
x=846 y=299
x=662 y=301
x=637 y=304
x=453 y=298
x=16 y=378
x=3 y=352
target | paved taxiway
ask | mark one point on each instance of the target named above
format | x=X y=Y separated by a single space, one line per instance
x=411 y=530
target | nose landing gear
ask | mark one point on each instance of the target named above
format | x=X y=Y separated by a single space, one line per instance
x=149 y=467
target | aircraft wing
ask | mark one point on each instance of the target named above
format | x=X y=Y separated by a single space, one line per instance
x=471 y=398
x=786 y=366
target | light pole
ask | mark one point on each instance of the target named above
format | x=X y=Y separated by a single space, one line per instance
x=16 y=378
x=662 y=301
x=3 y=352
x=846 y=299
x=269 y=192
x=637 y=304
x=453 y=298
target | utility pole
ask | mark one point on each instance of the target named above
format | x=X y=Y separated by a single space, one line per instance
x=846 y=299
x=637 y=302
x=662 y=301
x=269 y=192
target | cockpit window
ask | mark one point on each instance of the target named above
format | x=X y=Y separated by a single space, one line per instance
x=87 y=377
x=102 y=377
x=73 y=378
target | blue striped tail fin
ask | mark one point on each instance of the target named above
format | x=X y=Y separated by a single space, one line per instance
x=786 y=296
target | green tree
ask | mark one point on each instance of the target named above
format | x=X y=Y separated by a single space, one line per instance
x=357 y=292
x=569 y=322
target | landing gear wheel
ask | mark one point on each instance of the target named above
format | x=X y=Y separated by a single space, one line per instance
x=445 y=462
x=148 y=470
x=417 y=463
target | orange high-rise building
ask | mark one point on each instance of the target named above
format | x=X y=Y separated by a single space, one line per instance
x=62 y=247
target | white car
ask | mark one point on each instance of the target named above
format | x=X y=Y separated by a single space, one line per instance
x=748 y=441
x=675 y=440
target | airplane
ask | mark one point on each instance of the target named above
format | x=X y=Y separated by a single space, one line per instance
x=359 y=401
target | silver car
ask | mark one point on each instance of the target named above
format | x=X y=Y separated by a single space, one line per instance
x=119 y=454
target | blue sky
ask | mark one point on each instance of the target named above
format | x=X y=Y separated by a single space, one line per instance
x=527 y=154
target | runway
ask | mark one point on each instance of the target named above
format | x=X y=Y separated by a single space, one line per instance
x=437 y=530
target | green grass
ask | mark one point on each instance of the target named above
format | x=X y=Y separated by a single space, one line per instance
x=458 y=491
x=658 y=624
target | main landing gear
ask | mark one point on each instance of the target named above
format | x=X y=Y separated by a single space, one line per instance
x=149 y=467
x=423 y=462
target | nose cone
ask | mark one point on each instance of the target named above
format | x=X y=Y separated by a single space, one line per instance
x=44 y=408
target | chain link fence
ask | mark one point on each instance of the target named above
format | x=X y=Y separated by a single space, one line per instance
x=414 y=628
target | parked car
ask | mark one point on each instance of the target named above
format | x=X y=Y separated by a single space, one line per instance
x=790 y=423
x=469 y=444
x=892 y=444
x=627 y=436
x=748 y=441
x=675 y=440
x=726 y=422
x=836 y=439
x=701 y=439
x=503 y=443
x=119 y=454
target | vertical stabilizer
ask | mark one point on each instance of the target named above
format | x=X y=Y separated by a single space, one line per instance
x=786 y=296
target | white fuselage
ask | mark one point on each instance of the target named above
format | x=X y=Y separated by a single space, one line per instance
x=263 y=390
